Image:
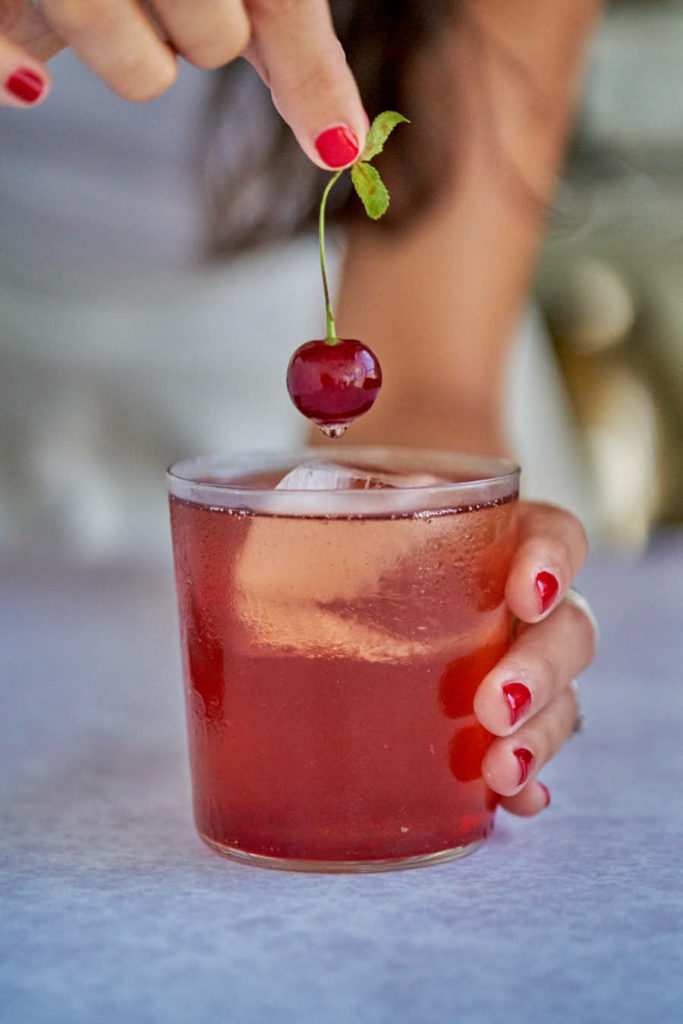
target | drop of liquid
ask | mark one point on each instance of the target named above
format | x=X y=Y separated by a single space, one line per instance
x=333 y=430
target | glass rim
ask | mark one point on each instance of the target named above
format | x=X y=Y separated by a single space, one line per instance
x=492 y=479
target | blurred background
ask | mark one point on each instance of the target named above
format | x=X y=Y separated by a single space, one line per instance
x=610 y=281
x=116 y=360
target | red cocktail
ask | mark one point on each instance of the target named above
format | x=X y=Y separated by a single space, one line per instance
x=335 y=628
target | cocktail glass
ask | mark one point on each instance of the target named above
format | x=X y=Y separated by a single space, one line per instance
x=336 y=620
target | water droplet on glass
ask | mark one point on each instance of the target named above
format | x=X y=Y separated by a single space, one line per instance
x=333 y=430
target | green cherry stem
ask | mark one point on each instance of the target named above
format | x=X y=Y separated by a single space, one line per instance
x=331 y=338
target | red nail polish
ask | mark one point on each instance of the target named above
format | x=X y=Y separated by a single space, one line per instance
x=546 y=792
x=25 y=84
x=518 y=698
x=526 y=761
x=547 y=587
x=337 y=146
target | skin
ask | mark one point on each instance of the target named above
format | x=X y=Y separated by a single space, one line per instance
x=291 y=43
x=469 y=259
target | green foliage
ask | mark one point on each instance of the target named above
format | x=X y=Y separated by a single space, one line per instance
x=366 y=180
x=380 y=130
x=370 y=188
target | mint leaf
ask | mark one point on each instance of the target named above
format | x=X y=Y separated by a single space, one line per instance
x=370 y=188
x=380 y=130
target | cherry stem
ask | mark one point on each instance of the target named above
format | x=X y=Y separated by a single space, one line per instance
x=331 y=338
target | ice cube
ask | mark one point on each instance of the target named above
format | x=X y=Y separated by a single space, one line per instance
x=322 y=585
x=325 y=586
x=299 y=582
x=332 y=588
x=323 y=475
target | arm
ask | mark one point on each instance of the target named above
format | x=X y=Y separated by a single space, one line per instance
x=439 y=302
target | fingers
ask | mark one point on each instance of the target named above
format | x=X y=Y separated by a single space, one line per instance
x=296 y=52
x=208 y=33
x=291 y=43
x=24 y=82
x=118 y=42
x=512 y=761
x=530 y=800
x=552 y=548
x=541 y=663
x=527 y=701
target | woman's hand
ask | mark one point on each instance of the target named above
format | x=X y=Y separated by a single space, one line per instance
x=528 y=700
x=291 y=43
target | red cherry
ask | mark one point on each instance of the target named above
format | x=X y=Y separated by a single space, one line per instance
x=332 y=384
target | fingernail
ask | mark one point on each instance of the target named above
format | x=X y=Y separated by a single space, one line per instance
x=25 y=84
x=337 y=146
x=546 y=793
x=547 y=587
x=518 y=699
x=525 y=760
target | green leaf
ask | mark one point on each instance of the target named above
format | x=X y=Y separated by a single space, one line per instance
x=380 y=130
x=370 y=188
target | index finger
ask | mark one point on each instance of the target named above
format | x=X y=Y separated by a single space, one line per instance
x=551 y=549
x=295 y=50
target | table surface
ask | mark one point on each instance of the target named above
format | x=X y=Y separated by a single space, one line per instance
x=113 y=911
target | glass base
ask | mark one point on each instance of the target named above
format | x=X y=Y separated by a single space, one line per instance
x=338 y=867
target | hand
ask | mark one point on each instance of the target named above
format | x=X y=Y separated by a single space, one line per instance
x=555 y=642
x=291 y=44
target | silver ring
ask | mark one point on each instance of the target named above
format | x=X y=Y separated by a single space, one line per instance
x=579 y=600
x=580 y=720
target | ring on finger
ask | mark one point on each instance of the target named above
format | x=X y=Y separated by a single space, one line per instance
x=580 y=720
x=579 y=600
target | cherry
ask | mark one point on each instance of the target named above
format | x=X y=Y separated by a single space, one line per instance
x=333 y=380
x=333 y=383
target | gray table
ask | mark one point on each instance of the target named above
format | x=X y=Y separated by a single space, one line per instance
x=113 y=911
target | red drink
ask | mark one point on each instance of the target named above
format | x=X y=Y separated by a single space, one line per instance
x=331 y=662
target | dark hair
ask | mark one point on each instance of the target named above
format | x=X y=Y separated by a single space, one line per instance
x=259 y=186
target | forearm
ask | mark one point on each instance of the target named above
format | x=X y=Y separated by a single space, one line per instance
x=439 y=302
